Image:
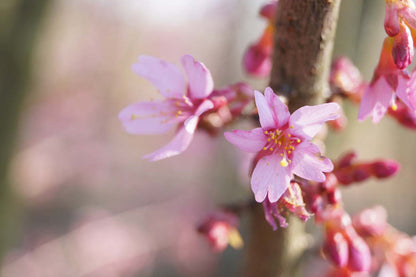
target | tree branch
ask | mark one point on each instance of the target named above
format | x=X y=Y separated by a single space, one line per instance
x=304 y=35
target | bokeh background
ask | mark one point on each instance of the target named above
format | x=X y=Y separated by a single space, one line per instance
x=77 y=199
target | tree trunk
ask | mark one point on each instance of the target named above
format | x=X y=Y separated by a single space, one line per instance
x=304 y=37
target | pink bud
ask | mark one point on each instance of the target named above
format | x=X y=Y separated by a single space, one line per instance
x=360 y=173
x=334 y=197
x=371 y=222
x=217 y=227
x=336 y=248
x=346 y=159
x=317 y=204
x=345 y=78
x=404 y=115
x=330 y=183
x=403 y=48
x=385 y=168
x=359 y=255
x=269 y=10
x=391 y=21
x=257 y=61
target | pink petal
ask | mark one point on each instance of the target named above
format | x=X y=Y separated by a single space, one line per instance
x=176 y=146
x=250 y=141
x=376 y=100
x=406 y=91
x=264 y=111
x=148 y=117
x=166 y=77
x=279 y=109
x=192 y=121
x=307 y=163
x=269 y=177
x=308 y=120
x=199 y=77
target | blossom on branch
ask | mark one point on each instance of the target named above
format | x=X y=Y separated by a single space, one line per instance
x=283 y=145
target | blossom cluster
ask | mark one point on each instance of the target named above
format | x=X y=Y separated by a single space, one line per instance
x=290 y=174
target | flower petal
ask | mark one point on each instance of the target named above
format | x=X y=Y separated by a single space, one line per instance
x=279 y=109
x=148 y=117
x=269 y=177
x=406 y=91
x=308 y=120
x=307 y=162
x=192 y=121
x=376 y=100
x=264 y=111
x=199 y=77
x=166 y=77
x=177 y=145
x=250 y=141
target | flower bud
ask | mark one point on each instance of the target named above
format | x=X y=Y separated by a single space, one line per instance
x=384 y=168
x=257 y=61
x=268 y=11
x=345 y=78
x=359 y=255
x=403 y=47
x=334 y=197
x=391 y=21
x=403 y=115
x=220 y=229
x=336 y=248
x=371 y=222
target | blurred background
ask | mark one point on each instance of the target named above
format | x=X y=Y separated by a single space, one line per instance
x=76 y=197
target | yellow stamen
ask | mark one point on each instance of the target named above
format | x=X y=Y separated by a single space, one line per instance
x=284 y=163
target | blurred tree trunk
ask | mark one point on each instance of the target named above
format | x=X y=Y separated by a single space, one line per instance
x=304 y=40
x=19 y=24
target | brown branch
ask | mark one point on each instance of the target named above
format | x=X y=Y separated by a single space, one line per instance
x=304 y=37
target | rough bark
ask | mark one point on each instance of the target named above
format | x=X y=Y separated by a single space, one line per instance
x=304 y=38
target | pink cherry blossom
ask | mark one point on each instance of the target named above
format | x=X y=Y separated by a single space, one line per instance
x=283 y=143
x=183 y=106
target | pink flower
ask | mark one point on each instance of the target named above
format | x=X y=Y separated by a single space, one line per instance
x=183 y=106
x=283 y=143
x=388 y=83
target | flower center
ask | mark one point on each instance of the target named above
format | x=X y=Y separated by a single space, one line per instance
x=282 y=143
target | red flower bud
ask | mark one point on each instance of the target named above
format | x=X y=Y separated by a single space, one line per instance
x=371 y=222
x=268 y=11
x=359 y=255
x=384 y=168
x=336 y=248
x=391 y=21
x=403 y=48
x=334 y=197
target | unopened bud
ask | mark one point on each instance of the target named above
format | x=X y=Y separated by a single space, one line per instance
x=371 y=222
x=268 y=11
x=391 y=21
x=334 y=197
x=403 y=48
x=404 y=115
x=257 y=61
x=384 y=168
x=359 y=255
x=336 y=248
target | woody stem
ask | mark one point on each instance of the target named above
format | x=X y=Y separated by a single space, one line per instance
x=304 y=35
